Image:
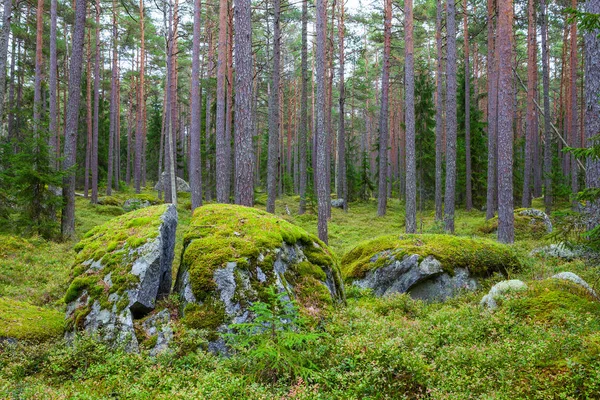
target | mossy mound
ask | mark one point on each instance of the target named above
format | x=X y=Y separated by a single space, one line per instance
x=110 y=249
x=250 y=249
x=480 y=256
x=23 y=321
x=552 y=301
x=527 y=225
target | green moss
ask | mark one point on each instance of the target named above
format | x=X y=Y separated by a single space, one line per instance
x=112 y=244
x=209 y=315
x=526 y=227
x=109 y=201
x=23 y=321
x=221 y=233
x=480 y=256
x=553 y=301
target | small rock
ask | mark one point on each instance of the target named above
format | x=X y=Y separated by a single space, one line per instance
x=182 y=186
x=337 y=203
x=532 y=212
x=562 y=251
x=134 y=204
x=499 y=290
x=570 y=276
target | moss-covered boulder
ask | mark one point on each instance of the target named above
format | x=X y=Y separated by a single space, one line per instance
x=232 y=254
x=122 y=268
x=529 y=224
x=431 y=267
x=21 y=321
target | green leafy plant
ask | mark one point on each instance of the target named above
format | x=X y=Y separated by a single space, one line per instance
x=269 y=347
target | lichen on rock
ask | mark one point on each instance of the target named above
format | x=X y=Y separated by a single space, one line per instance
x=431 y=267
x=232 y=254
x=122 y=268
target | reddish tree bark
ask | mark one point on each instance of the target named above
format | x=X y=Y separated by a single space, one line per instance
x=468 y=178
x=72 y=121
x=531 y=85
x=409 y=82
x=321 y=135
x=504 y=48
x=439 y=120
x=39 y=63
x=273 y=155
x=383 y=113
x=244 y=157
x=195 y=110
x=303 y=179
x=592 y=109
x=96 y=120
x=450 y=193
x=492 y=112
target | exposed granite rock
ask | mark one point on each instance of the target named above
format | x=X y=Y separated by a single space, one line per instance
x=122 y=269
x=499 y=290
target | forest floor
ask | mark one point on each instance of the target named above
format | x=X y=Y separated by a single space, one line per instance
x=544 y=343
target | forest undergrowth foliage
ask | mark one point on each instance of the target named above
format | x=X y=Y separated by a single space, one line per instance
x=541 y=343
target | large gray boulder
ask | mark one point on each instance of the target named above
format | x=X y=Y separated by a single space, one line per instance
x=425 y=279
x=500 y=290
x=122 y=269
x=233 y=254
x=182 y=186
x=428 y=267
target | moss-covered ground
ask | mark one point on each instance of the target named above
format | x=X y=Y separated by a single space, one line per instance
x=543 y=343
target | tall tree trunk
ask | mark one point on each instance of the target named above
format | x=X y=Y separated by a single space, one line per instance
x=208 y=192
x=72 y=122
x=89 y=118
x=321 y=135
x=592 y=109
x=222 y=147
x=4 y=36
x=383 y=113
x=303 y=110
x=273 y=156
x=229 y=105
x=492 y=113
x=547 y=122
x=504 y=48
x=573 y=132
x=439 y=120
x=52 y=127
x=450 y=193
x=244 y=157
x=195 y=110
x=342 y=188
x=468 y=183
x=139 y=132
x=114 y=104
x=409 y=81
x=96 y=122
x=13 y=79
x=170 y=184
x=531 y=85
x=39 y=63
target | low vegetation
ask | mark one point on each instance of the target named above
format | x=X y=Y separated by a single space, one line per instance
x=543 y=342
